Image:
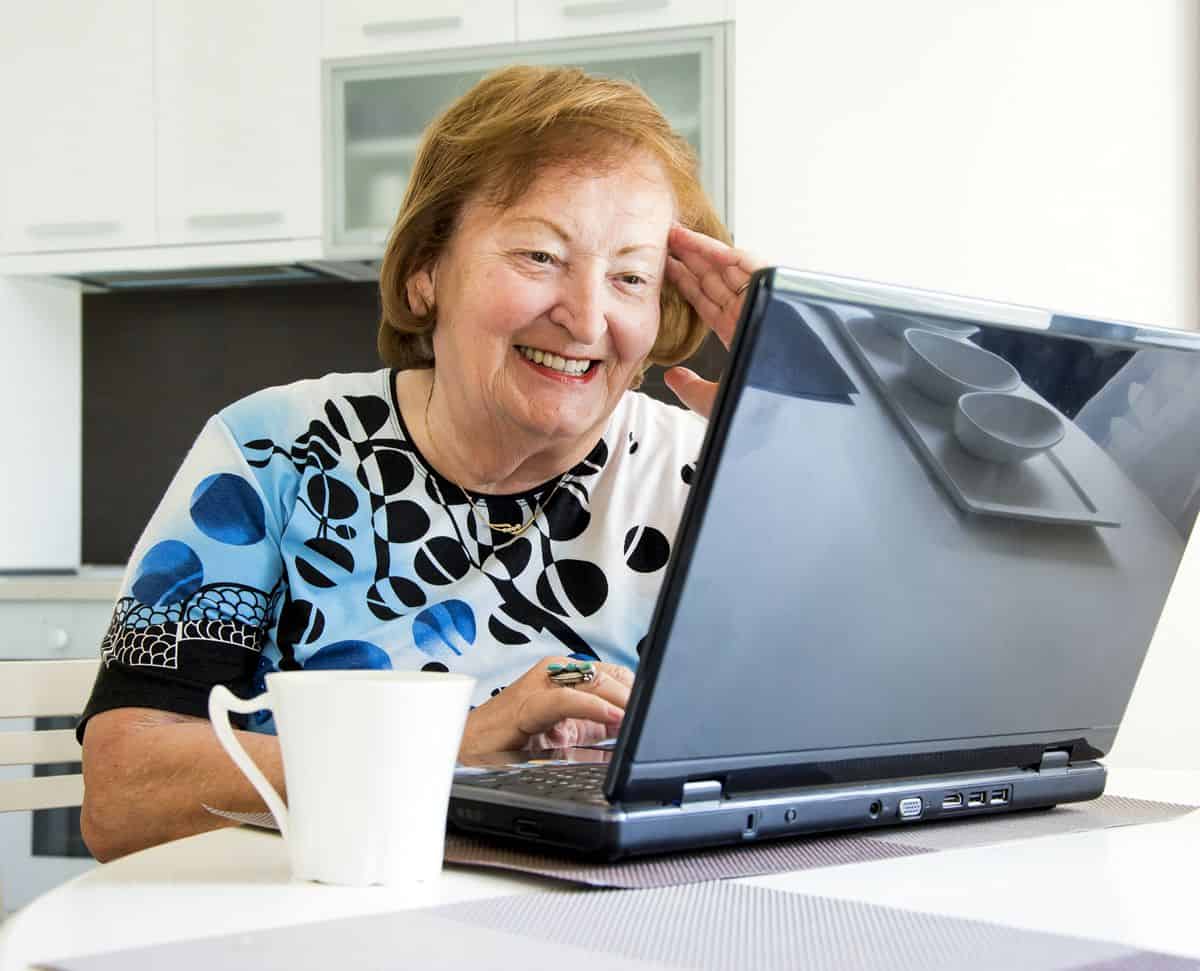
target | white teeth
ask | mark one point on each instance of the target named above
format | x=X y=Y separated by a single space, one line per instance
x=566 y=365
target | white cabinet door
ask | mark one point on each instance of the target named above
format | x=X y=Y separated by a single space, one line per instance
x=78 y=159
x=550 y=19
x=353 y=27
x=238 y=92
x=41 y=464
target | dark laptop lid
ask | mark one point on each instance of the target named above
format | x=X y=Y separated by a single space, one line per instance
x=854 y=595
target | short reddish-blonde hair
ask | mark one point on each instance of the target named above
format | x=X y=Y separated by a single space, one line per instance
x=492 y=144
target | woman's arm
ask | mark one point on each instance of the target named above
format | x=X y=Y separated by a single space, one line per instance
x=148 y=775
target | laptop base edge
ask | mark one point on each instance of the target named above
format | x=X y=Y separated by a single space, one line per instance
x=613 y=832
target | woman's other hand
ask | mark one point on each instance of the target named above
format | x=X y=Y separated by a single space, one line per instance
x=534 y=712
x=712 y=277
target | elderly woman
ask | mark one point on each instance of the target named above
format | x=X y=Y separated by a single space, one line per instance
x=497 y=499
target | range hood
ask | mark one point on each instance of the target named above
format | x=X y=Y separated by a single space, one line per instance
x=311 y=271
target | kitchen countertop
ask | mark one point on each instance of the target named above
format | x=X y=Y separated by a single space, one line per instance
x=89 y=583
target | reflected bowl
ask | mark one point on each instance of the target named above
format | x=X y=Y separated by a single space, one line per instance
x=944 y=368
x=896 y=324
x=1005 y=428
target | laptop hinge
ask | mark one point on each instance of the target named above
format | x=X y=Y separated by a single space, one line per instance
x=1055 y=761
x=706 y=790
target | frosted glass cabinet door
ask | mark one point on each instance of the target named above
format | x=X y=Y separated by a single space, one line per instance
x=376 y=113
x=353 y=27
x=238 y=120
x=78 y=159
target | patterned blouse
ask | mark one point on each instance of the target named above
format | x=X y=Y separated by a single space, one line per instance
x=305 y=530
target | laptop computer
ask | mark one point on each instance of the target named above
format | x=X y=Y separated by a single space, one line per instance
x=873 y=619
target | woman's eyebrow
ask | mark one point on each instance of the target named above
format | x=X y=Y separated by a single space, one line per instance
x=553 y=226
x=566 y=237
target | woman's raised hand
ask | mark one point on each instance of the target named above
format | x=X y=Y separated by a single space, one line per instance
x=712 y=277
x=534 y=712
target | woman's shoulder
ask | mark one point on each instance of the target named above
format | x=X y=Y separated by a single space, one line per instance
x=290 y=409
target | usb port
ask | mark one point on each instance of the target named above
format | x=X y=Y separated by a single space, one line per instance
x=976 y=799
x=953 y=801
x=999 y=797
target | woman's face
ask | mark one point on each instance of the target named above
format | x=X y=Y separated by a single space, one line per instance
x=547 y=309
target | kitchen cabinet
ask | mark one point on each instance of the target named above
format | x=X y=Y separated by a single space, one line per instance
x=45 y=629
x=41 y=331
x=237 y=91
x=350 y=28
x=168 y=135
x=376 y=110
x=78 y=164
x=552 y=19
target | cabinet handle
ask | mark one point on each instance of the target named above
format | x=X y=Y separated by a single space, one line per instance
x=231 y=220
x=97 y=227
x=605 y=8
x=412 y=25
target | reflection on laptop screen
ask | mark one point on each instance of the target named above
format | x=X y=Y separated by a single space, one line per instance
x=942 y=530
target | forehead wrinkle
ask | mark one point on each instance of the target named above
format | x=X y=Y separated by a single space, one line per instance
x=654 y=248
x=648 y=175
x=549 y=223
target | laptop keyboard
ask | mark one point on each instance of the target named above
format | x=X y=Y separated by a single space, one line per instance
x=575 y=783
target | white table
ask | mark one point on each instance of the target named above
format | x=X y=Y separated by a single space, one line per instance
x=1133 y=885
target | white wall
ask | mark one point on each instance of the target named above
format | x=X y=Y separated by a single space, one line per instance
x=1037 y=151
x=40 y=424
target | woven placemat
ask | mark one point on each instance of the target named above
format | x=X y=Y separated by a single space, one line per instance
x=712 y=926
x=787 y=856
x=727 y=926
x=672 y=869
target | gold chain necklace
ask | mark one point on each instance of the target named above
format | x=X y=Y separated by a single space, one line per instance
x=509 y=529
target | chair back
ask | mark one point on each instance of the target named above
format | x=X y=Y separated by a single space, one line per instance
x=35 y=689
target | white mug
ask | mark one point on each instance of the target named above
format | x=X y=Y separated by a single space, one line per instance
x=368 y=757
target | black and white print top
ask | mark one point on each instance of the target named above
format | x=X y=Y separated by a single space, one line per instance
x=304 y=530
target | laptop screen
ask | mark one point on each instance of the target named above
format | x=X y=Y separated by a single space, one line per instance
x=922 y=525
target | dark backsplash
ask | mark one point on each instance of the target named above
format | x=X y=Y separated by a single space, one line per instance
x=157 y=364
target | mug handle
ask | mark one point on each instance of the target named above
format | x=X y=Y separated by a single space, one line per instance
x=221 y=701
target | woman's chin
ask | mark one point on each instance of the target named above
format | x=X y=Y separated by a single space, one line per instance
x=561 y=411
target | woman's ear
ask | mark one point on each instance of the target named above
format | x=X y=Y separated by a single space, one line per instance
x=420 y=289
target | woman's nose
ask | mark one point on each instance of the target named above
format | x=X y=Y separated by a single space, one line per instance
x=580 y=309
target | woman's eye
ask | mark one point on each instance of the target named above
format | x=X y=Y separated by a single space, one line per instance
x=633 y=279
x=541 y=257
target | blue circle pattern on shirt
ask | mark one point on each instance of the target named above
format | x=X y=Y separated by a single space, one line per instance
x=226 y=508
x=450 y=623
x=169 y=573
x=349 y=655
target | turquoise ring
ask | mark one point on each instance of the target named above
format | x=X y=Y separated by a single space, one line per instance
x=569 y=675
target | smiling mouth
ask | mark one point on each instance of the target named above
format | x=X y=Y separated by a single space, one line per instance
x=570 y=366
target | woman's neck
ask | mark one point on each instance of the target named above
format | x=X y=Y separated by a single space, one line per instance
x=471 y=450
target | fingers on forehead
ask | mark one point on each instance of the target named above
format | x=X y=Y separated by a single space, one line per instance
x=712 y=249
x=691 y=291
